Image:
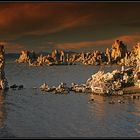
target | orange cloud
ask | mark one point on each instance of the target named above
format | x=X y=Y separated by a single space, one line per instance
x=12 y=47
x=127 y=39
x=130 y=40
x=26 y=22
x=41 y=18
x=44 y=18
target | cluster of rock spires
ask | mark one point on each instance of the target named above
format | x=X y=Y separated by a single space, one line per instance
x=55 y=58
x=118 y=54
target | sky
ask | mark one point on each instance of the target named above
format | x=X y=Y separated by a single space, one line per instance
x=70 y=26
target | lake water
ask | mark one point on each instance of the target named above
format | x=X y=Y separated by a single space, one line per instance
x=32 y=113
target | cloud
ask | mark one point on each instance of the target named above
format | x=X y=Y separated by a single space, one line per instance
x=132 y=24
x=40 y=18
x=130 y=40
x=12 y=47
x=17 y=19
x=31 y=24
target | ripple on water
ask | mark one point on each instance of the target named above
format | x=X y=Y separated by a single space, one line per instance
x=29 y=113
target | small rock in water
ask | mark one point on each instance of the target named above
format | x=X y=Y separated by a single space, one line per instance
x=120 y=92
x=112 y=102
x=14 y=86
x=7 y=88
x=138 y=97
x=133 y=96
x=121 y=101
x=20 y=87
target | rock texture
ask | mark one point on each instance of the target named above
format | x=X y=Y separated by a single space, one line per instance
x=117 y=54
x=3 y=80
x=119 y=50
x=55 y=58
x=111 y=83
x=136 y=55
x=24 y=57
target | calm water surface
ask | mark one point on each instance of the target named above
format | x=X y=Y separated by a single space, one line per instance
x=31 y=113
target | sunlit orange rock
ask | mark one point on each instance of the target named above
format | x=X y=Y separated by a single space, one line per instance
x=136 y=49
x=119 y=50
x=24 y=57
x=108 y=55
x=55 y=55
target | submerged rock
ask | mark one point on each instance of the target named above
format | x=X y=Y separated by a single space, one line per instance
x=61 y=89
x=20 y=87
x=14 y=87
x=111 y=102
x=45 y=87
x=83 y=88
x=121 y=101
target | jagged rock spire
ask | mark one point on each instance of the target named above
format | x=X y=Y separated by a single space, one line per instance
x=3 y=80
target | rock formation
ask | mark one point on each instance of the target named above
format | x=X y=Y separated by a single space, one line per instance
x=61 y=89
x=108 y=55
x=119 y=50
x=24 y=57
x=136 y=53
x=136 y=49
x=132 y=58
x=109 y=83
x=118 y=54
x=62 y=56
x=3 y=80
x=56 y=55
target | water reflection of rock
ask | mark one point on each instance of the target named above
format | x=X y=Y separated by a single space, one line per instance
x=97 y=106
x=2 y=109
x=4 y=130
